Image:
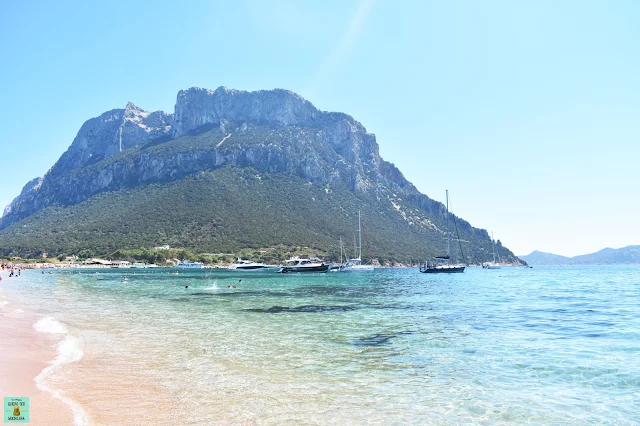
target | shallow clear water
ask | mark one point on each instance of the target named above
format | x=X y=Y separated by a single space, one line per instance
x=556 y=345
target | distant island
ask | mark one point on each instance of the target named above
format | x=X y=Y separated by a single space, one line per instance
x=608 y=256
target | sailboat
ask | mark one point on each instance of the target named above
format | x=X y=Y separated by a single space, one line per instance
x=494 y=264
x=443 y=264
x=355 y=264
x=338 y=267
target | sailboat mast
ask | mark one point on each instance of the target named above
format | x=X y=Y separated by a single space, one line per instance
x=359 y=236
x=341 y=250
x=355 y=247
x=448 y=238
x=493 y=244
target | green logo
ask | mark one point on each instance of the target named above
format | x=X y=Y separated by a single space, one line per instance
x=16 y=409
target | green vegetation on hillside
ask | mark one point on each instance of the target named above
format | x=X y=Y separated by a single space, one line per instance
x=236 y=210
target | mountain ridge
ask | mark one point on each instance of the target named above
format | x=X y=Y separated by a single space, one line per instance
x=117 y=130
x=624 y=255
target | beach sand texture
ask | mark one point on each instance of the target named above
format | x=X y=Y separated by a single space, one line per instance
x=67 y=383
x=24 y=353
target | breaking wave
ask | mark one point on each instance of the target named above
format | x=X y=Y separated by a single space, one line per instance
x=50 y=325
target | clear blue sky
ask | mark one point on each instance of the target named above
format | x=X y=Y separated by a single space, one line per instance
x=528 y=112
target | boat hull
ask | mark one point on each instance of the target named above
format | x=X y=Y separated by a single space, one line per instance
x=247 y=268
x=302 y=269
x=446 y=270
x=357 y=268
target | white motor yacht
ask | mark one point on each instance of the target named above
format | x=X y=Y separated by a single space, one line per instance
x=246 y=265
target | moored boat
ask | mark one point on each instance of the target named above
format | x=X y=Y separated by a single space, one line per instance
x=442 y=264
x=304 y=264
x=494 y=264
x=185 y=264
x=441 y=268
x=246 y=265
x=355 y=264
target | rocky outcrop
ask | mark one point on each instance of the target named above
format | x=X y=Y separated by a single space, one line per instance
x=110 y=134
x=271 y=131
x=197 y=107
x=28 y=192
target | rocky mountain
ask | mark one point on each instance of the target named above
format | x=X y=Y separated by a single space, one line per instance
x=276 y=135
x=608 y=256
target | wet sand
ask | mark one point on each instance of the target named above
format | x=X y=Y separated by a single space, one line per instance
x=108 y=391
x=23 y=354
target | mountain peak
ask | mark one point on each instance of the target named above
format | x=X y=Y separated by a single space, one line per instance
x=131 y=107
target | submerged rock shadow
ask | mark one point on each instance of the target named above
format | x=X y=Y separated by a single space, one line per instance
x=379 y=339
x=303 y=308
x=214 y=293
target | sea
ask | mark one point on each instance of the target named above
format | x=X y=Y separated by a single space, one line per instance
x=542 y=345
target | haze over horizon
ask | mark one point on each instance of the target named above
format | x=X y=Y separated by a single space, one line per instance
x=522 y=111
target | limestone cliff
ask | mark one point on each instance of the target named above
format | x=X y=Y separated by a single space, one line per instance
x=297 y=137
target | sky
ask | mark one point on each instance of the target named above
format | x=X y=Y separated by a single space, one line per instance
x=528 y=112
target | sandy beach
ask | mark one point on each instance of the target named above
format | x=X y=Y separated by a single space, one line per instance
x=93 y=384
x=24 y=353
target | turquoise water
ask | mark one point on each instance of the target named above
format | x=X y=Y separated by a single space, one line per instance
x=557 y=345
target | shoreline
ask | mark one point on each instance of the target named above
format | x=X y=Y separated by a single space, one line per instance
x=25 y=354
x=70 y=380
x=64 y=266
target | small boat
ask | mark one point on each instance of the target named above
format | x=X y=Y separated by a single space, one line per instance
x=442 y=264
x=139 y=265
x=189 y=265
x=304 y=264
x=355 y=264
x=494 y=264
x=490 y=266
x=246 y=265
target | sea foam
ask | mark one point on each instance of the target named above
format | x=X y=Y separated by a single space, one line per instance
x=69 y=350
x=50 y=325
